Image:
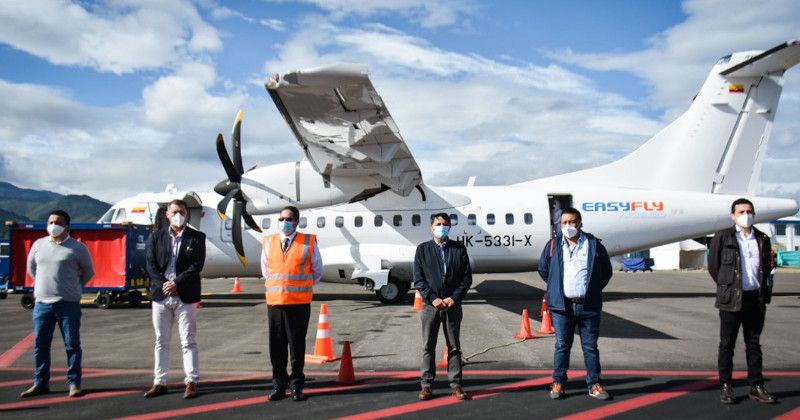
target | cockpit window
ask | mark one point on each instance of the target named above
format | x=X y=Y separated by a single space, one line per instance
x=107 y=217
x=120 y=216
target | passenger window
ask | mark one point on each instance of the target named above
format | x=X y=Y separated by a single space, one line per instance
x=378 y=220
x=471 y=219
x=528 y=219
x=453 y=219
x=265 y=223
x=415 y=220
x=320 y=222
x=509 y=218
x=339 y=221
x=303 y=223
x=358 y=221
x=490 y=219
x=398 y=220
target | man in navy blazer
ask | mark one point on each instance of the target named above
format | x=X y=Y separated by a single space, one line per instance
x=442 y=275
x=175 y=258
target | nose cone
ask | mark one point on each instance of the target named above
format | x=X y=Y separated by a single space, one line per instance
x=224 y=187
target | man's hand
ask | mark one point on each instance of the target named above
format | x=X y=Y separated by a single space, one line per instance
x=439 y=304
x=449 y=303
x=170 y=288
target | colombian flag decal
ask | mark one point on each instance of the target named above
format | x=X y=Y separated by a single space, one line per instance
x=736 y=88
x=138 y=209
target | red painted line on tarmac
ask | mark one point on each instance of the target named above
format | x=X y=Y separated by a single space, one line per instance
x=792 y=415
x=442 y=401
x=47 y=401
x=11 y=355
x=632 y=404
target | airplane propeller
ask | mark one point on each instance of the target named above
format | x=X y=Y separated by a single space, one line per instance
x=231 y=188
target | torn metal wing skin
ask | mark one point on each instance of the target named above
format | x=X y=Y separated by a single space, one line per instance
x=343 y=126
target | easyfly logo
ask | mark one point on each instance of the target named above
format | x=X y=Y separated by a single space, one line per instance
x=623 y=206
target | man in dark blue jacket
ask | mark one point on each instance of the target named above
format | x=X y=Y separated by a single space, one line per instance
x=442 y=275
x=576 y=268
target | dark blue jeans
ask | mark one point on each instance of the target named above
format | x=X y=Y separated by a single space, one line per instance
x=45 y=317
x=588 y=324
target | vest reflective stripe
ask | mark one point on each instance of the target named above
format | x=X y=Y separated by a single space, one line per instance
x=291 y=279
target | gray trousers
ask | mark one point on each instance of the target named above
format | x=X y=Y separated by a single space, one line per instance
x=432 y=318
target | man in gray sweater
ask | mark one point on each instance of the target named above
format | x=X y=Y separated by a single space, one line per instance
x=60 y=266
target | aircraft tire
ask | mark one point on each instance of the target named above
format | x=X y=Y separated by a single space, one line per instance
x=391 y=293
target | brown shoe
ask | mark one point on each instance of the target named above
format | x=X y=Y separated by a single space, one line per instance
x=760 y=394
x=459 y=393
x=191 y=390
x=75 y=391
x=155 y=391
x=34 y=391
x=426 y=393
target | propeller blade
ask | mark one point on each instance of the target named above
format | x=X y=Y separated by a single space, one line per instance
x=237 y=143
x=254 y=166
x=223 y=204
x=237 y=231
x=230 y=170
x=250 y=221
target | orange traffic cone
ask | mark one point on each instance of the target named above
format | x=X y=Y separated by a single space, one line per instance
x=346 y=374
x=547 y=326
x=544 y=306
x=525 y=327
x=236 y=286
x=323 y=349
x=443 y=363
x=417 y=302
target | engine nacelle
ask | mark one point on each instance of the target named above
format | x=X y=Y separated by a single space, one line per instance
x=271 y=188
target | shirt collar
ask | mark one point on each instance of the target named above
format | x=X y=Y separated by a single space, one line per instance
x=180 y=232
x=66 y=238
x=291 y=236
x=740 y=232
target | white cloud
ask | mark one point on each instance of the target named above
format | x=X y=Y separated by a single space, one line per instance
x=117 y=37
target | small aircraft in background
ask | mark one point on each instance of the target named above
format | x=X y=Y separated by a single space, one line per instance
x=361 y=191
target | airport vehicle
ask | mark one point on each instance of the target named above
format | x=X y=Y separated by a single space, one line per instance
x=362 y=192
x=118 y=255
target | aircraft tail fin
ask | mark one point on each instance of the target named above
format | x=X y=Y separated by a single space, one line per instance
x=719 y=144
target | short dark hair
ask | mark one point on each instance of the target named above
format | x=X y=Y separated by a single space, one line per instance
x=61 y=213
x=178 y=202
x=742 y=201
x=574 y=211
x=294 y=210
x=444 y=216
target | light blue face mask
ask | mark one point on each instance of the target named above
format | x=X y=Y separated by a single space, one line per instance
x=441 y=231
x=286 y=226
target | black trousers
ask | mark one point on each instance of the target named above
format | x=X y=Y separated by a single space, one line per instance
x=288 y=325
x=751 y=318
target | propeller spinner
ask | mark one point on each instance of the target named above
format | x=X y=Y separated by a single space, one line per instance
x=231 y=188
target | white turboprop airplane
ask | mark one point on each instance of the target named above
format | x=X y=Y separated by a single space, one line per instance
x=361 y=191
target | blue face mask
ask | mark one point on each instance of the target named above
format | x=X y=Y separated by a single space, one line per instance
x=286 y=226
x=441 y=231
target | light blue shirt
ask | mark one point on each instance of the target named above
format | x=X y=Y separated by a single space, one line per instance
x=576 y=267
x=750 y=258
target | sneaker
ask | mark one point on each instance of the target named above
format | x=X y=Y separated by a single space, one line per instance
x=75 y=391
x=556 y=391
x=34 y=391
x=598 y=392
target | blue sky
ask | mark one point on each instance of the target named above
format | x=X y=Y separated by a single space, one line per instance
x=112 y=98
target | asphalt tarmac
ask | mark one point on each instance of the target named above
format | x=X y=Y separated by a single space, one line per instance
x=658 y=346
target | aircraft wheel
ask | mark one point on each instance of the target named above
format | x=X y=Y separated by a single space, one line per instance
x=103 y=301
x=391 y=293
x=135 y=298
x=27 y=301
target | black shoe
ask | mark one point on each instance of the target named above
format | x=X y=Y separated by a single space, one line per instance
x=297 y=395
x=726 y=396
x=760 y=394
x=277 y=394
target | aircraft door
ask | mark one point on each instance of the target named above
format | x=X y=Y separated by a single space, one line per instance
x=557 y=202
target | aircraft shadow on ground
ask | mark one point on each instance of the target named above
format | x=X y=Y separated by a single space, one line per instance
x=515 y=297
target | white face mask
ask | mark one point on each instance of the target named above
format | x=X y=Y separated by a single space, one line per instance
x=177 y=220
x=569 y=231
x=55 y=230
x=745 y=220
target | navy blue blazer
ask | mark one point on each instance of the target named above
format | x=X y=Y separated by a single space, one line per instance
x=188 y=265
x=429 y=278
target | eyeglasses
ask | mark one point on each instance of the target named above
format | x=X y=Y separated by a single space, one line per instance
x=285 y=219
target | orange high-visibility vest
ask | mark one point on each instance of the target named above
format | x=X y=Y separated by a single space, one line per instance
x=291 y=279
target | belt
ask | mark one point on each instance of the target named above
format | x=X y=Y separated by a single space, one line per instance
x=575 y=300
